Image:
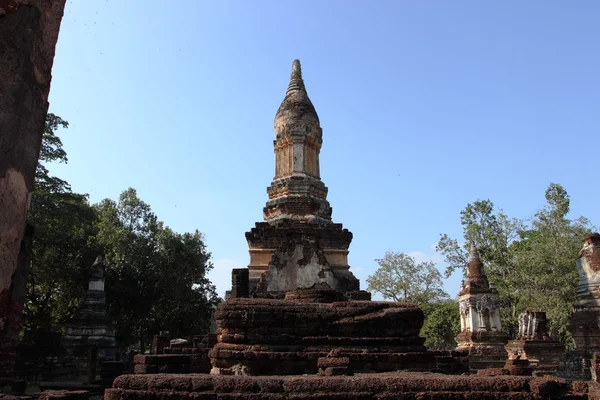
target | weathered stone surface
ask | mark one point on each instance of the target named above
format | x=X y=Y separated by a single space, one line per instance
x=64 y=395
x=517 y=366
x=535 y=345
x=493 y=372
x=585 y=319
x=576 y=364
x=176 y=360
x=268 y=336
x=179 y=342
x=538 y=352
x=299 y=255
x=362 y=386
x=240 y=284
x=28 y=35
x=11 y=306
x=159 y=342
x=297 y=191
x=584 y=325
x=533 y=326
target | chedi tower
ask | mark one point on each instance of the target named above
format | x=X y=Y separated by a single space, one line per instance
x=298 y=245
x=297 y=309
x=481 y=330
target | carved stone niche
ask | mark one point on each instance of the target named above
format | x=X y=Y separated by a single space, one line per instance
x=480 y=313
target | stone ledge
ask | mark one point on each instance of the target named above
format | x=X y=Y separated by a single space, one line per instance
x=361 y=386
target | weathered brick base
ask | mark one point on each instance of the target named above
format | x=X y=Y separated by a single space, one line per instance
x=359 y=387
x=192 y=361
x=64 y=395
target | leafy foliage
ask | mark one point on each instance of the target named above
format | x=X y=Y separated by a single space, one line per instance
x=63 y=222
x=156 y=278
x=532 y=264
x=545 y=261
x=401 y=279
x=442 y=325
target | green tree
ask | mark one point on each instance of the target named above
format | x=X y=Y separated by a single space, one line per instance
x=127 y=233
x=189 y=294
x=532 y=265
x=491 y=231
x=494 y=234
x=401 y=279
x=442 y=325
x=156 y=278
x=545 y=261
x=63 y=222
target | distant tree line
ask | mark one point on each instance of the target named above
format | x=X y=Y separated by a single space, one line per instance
x=155 y=277
x=531 y=261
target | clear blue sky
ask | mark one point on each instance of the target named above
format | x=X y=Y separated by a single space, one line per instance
x=425 y=106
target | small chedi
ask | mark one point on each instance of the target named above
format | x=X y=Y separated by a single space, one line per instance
x=481 y=331
x=90 y=326
x=535 y=344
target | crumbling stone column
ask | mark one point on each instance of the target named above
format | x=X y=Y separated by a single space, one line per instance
x=584 y=325
x=28 y=35
x=239 y=282
x=159 y=342
x=535 y=345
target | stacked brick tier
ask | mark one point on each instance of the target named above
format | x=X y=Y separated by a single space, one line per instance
x=182 y=361
x=386 y=386
x=269 y=336
x=542 y=354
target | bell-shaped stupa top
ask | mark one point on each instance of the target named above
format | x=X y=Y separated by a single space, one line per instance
x=296 y=109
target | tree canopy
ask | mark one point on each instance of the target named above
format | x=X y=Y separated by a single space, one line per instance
x=442 y=325
x=401 y=279
x=532 y=262
x=156 y=278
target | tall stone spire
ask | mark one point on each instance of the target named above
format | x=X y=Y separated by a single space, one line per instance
x=297 y=192
x=296 y=81
x=473 y=253
x=297 y=245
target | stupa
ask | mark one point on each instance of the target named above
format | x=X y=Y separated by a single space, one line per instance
x=298 y=308
x=90 y=326
x=298 y=245
x=481 y=330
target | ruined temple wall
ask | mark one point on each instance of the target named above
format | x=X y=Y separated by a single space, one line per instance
x=28 y=35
